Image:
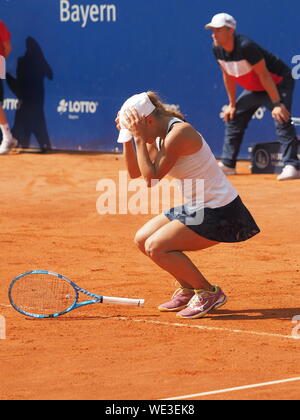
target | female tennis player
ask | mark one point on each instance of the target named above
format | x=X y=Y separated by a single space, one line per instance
x=164 y=144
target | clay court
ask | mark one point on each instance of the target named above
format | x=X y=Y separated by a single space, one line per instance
x=106 y=352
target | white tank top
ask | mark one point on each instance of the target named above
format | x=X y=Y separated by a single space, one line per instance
x=200 y=179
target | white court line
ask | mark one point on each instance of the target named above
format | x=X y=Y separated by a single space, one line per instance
x=205 y=328
x=198 y=327
x=238 y=388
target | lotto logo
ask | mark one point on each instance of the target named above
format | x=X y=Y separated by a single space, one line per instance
x=77 y=107
x=62 y=107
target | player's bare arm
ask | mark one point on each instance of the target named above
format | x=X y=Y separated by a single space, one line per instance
x=182 y=140
x=130 y=156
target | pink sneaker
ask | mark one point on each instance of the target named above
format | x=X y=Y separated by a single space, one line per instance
x=180 y=300
x=203 y=302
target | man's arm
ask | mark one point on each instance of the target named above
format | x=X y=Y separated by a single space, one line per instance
x=266 y=80
x=7 y=48
x=280 y=112
x=230 y=86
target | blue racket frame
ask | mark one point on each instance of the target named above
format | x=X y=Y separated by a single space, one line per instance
x=75 y=305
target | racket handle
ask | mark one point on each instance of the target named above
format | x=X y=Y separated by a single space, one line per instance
x=123 y=301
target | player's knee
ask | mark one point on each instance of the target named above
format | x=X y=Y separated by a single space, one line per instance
x=140 y=240
x=153 y=249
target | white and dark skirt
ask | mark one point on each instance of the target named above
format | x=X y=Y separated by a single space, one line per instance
x=231 y=223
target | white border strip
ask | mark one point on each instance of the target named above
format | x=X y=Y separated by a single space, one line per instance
x=205 y=328
x=238 y=388
x=198 y=327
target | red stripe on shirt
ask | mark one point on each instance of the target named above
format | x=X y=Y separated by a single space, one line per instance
x=4 y=37
x=251 y=81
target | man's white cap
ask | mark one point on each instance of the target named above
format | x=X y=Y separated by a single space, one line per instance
x=142 y=104
x=220 y=20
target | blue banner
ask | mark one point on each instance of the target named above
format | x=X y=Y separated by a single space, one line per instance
x=74 y=63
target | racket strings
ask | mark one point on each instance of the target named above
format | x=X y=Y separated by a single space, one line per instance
x=43 y=294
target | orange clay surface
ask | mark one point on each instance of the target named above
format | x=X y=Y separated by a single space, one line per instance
x=107 y=352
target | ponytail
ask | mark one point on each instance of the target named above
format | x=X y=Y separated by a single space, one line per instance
x=163 y=109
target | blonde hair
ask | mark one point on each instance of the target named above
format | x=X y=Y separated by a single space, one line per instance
x=163 y=109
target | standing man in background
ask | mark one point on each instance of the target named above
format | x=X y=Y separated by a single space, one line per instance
x=266 y=81
x=8 y=142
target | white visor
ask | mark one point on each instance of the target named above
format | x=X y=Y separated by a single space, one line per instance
x=143 y=106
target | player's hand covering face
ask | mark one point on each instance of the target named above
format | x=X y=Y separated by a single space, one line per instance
x=135 y=124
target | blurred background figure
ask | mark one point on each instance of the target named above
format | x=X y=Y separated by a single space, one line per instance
x=8 y=142
x=28 y=87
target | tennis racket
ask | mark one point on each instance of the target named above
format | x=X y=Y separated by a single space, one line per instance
x=45 y=294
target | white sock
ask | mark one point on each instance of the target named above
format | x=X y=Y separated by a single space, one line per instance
x=6 y=133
